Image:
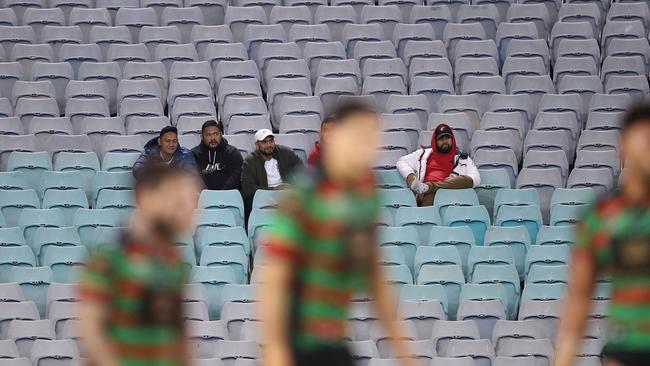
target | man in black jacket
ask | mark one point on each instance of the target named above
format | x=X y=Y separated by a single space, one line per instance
x=219 y=163
x=268 y=167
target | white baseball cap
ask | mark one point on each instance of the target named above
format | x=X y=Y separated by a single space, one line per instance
x=260 y=135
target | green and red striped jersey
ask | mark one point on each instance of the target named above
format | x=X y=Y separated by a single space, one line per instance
x=329 y=232
x=140 y=285
x=615 y=234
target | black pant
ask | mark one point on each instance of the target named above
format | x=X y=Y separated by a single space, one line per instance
x=330 y=356
x=628 y=358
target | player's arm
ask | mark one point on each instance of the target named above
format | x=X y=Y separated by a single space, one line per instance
x=281 y=244
x=578 y=299
x=386 y=312
x=93 y=312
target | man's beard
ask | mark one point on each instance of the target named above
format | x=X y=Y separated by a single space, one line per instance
x=163 y=229
x=444 y=149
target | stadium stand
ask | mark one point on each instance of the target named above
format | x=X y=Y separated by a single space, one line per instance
x=533 y=90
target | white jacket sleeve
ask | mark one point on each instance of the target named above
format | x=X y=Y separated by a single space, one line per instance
x=408 y=164
x=472 y=172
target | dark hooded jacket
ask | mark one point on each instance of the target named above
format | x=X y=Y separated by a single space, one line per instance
x=220 y=168
x=183 y=157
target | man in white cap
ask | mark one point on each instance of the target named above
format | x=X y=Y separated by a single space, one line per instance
x=268 y=167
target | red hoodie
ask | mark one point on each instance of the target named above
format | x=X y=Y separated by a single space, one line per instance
x=314 y=156
x=440 y=165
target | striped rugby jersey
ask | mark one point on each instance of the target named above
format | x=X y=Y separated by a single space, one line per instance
x=615 y=234
x=329 y=232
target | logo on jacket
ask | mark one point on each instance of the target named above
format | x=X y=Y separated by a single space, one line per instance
x=211 y=168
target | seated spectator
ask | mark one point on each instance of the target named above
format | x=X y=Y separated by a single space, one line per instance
x=268 y=167
x=166 y=150
x=218 y=163
x=314 y=156
x=440 y=166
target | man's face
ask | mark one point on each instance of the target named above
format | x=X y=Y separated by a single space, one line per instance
x=266 y=146
x=325 y=132
x=352 y=145
x=444 y=144
x=168 y=143
x=212 y=137
x=170 y=206
x=635 y=148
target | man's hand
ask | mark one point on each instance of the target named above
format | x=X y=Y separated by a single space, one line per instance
x=419 y=187
x=277 y=356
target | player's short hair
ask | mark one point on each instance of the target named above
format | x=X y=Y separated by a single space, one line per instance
x=212 y=123
x=637 y=113
x=349 y=109
x=153 y=174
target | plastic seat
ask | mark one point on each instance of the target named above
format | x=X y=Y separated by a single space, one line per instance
x=426 y=295
x=9 y=351
x=533 y=86
x=183 y=18
x=32 y=219
x=65 y=262
x=14 y=202
x=450 y=277
x=57 y=36
x=287 y=16
x=541 y=256
x=548 y=274
x=436 y=256
x=445 y=331
x=54 y=352
x=484 y=313
x=387 y=16
x=68 y=201
x=335 y=18
x=34 y=282
x=25 y=332
x=505 y=275
x=256 y=35
x=599 y=179
x=303 y=34
x=204 y=337
x=11 y=36
x=238 y=18
x=455 y=32
x=599 y=159
x=12 y=257
x=491 y=181
x=636 y=86
x=434 y=88
x=354 y=33
x=528 y=216
x=76 y=54
x=230 y=351
x=204 y=35
x=234 y=314
x=622 y=66
x=489 y=255
x=536 y=13
x=598 y=140
x=28 y=54
x=507 y=330
x=32 y=89
x=540 y=349
x=486 y=15
x=11 y=237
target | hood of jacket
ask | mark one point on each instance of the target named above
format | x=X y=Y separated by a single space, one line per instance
x=152 y=149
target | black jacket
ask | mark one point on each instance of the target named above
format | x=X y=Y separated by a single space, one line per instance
x=220 y=168
x=254 y=175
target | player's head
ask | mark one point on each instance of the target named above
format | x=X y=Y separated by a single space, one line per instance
x=211 y=133
x=168 y=140
x=635 y=140
x=166 y=198
x=353 y=140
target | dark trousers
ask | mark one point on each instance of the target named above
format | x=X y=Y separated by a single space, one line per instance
x=330 y=356
x=628 y=358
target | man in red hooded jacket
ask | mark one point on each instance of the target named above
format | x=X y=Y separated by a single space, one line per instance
x=440 y=166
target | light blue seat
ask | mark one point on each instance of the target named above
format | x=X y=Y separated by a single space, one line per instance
x=393 y=199
x=213 y=279
x=121 y=200
x=436 y=256
x=475 y=217
x=563 y=215
x=87 y=221
x=233 y=257
x=602 y=291
x=543 y=256
x=16 y=180
x=516 y=238
x=385 y=218
x=515 y=197
x=239 y=293
x=66 y=262
x=572 y=197
x=485 y=313
x=54 y=236
x=213 y=218
x=112 y=181
x=11 y=237
x=460 y=237
x=454 y=197
x=421 y=218
x=389 y=179
x=488 y=291
x=422 y=315
x=119 y=161
x=515 y=329
x=188 y=256
x=406 y=238
x=68 y=201
x=34 y=282
x=87 y=164
x=488 y=255
x=33 y=218
x=492 y=180
x=548 y=274
x=266 y=199
x=61 y=181
x=529 y=217
x=450 y=277
x=545 y=313
x=12 y=203
x=445 y=331
x=228 y=199
x=391 y=255
x=20 y=256
x=543 y=291
x=398 y=275
x=222 y=237
x=417 y=293
x=107 y=236
x=31 y=164
x=504 y=274
x=556 y=235
x=257 y=221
